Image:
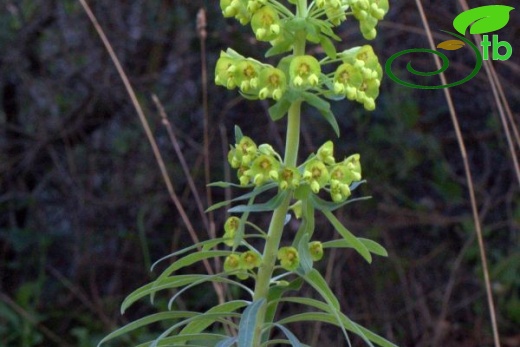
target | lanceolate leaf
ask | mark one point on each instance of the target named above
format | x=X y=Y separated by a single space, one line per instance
x=372 y=246
x=324 y=108
x=158 y=317
x=204 y=339
x=483 y=19
x=167 y=283
x=293 y=339
x=278 y=110
x=198 y=326
x=347 y=235
x=324 y=205
x=228 y=342
x=305 y=256
x=270 y=205
x=315 y=279
x=248 y=322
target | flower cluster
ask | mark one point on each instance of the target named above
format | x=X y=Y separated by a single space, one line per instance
x=262 y=164
x=254 y=79
x=323 y=172
x=359 y=76
x=240 y=263
x=264 y=19
x=368 y=13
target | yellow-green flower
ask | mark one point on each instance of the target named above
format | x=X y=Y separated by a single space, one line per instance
x=232 y=263
x=246 y=75
x=326 y=153
x=249 y=260
x=272 y=83
x=237 y=9
x=289 y=258
x=288 y=177
x=230 y=228
x=266 y=24
x=225 y=72
x=246 y=150
x=304 y=71
x=347 y=79
x=316 y=174
x=316 y=250
x=263 y=168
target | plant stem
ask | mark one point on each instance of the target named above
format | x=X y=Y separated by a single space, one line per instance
x=275 y=231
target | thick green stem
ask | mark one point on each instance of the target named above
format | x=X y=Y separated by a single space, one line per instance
x=276 y=226
x=275 y=231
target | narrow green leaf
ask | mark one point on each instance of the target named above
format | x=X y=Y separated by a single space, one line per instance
x=238 y=134
x=153 y=287
x=305 y=256
x=372 y=246
x=217 y=206
x=347 y=235
x=324 y=205
x=324 y=108
x=198 y=326
x=331 y=119
x=279 y=109
x=307 y=226
x=270 y=205
x=327 y=316
x=316 y=101
x=279 y=48
x=247 y=326
x=227 y=185
x=146 y=321
x=292 y=338
x=328 y=47
x=204 y=245
x=483 y=19
x=218 y=316
x=315 y=279
x=205 y=338
x=228 y=342
x=190 y=260
x=273 y=296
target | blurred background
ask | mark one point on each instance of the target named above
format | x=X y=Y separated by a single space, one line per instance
x=84 y=210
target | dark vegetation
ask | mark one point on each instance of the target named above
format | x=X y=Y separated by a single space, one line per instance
x=84 y=210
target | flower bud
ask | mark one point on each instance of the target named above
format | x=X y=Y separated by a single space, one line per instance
x=316 y=250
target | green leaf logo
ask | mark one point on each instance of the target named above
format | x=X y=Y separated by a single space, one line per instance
x=482 y=20
x=451 y=45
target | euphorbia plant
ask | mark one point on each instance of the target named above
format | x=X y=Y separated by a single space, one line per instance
x=321 y=184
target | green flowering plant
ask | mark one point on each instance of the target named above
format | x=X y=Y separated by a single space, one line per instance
x=274 y=266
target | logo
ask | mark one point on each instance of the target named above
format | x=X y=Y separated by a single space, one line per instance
x=480 y=20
